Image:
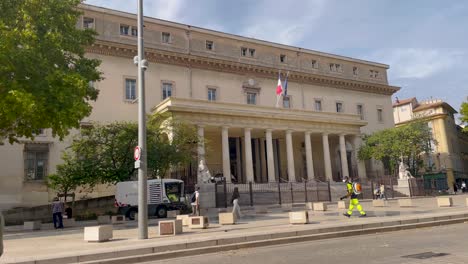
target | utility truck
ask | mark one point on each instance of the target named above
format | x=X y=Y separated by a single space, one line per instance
x=163 y=195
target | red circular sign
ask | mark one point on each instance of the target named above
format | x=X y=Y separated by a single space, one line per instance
x=137 y=153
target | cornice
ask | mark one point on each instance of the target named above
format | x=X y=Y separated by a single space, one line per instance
x=193 y=61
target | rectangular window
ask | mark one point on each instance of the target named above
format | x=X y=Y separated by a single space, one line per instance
x=134 y=32
x=35 y=161
x=339 y=107
x=286 y=102
x=209 y=45
x=318 y=105
x=130 y=89
x=314 y=64
x=124 y=29
x=373 y=74
x=252 y=98
x=334 y=67
x=355 y=70
x=166 y=90
x=360 y=111
x=282 y=58
x=243 y=52
x=252 y=52
x=88 y=22
x=380 y=115
x=211 y=94
x=166 y=37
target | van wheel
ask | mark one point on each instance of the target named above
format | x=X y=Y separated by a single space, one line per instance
x=131 y=213
x=161 y=212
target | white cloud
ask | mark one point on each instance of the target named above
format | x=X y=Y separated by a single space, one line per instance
x=165 y=9
x=417 y=63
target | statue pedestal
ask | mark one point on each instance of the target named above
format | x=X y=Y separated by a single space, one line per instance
x=403 y=183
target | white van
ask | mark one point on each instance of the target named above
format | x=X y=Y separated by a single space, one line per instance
x=163 y=195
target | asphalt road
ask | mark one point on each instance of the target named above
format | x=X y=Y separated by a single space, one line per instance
x=388 y=248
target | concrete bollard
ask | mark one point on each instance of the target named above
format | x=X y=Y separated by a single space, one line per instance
x=405 y=202
x=343 y=205
x=467 y=201
x=184 y=218
x=444 y=201
x=198 y=222
x=173 y=213
x=301 y=217
x=98 y=233
x=379 y=203
x=170 y=227
x=320 y=207
x=226 y=218
x=32 y=225
x=104 y=219
x=118 y=219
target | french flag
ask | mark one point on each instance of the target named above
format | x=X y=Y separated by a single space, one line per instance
x=279 y=90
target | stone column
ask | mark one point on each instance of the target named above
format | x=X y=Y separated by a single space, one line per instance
x=309 y=161
x=344 y=158
x=201 y=151
x=226 y=159
x=263 y=160
x=248 y=156
x=361 y=165
x=270 y=160
x=290 y=156
x=326 y=157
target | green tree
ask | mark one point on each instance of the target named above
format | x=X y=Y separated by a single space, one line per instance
x=464 y=115
x=390 y=145
x=44 y=75
x=66 y=180
x=104 y=153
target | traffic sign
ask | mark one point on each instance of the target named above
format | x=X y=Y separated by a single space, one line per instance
x=137 y=153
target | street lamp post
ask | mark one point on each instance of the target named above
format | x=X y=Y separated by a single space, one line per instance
x=142 y=178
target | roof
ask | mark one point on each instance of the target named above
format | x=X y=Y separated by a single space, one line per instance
x=404 y=101
x=425 y=106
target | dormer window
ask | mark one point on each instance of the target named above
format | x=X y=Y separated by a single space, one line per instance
x=252 y=52
x=166 y=37
x=355 y=71
x=314 y=64
x=88 y=22
x=243 y=52
x=335 y=67
x=282 y=58
x=209 y=45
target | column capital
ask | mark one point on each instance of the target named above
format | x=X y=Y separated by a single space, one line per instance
x=342 y=134
x=225 y=127
x=269 y=130
x=289 y=131
x=200 y=126
x=307 y=133
x=247 y=129
x=325 y=134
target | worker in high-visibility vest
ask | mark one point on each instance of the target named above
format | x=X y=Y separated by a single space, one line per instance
x=353 y=189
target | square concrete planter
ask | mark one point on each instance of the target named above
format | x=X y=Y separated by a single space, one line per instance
x=32 y=225
x=198 y=222
x=467 y=201
x=184 y=218
x=226 y=219
x=118 y=219
x=173 y=213
x=301 y=217
x=309 y=206
x=320 y=207
x=379 y=203
x=104 y=219
x=98 y=233
x=170 y=227
x=405 y=202
x=343 y=205
x=444 y=201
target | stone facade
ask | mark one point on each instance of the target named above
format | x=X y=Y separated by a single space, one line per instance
x=332 y=101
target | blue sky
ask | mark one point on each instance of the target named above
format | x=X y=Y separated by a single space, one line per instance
x=425 y=42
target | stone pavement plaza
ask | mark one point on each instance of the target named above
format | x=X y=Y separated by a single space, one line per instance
x=28 y=245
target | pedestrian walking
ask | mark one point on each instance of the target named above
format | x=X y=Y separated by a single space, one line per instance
x=57 y=210
x=195 y=202
x=383 y=194
x=353 y=189
x=235 y=203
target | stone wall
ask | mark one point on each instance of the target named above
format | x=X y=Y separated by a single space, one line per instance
x=43 y=213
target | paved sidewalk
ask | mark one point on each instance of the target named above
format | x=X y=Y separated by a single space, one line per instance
x=23 y=246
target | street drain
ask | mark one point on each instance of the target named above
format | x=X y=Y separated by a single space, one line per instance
x=426 y=255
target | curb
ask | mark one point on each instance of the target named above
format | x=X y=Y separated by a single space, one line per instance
x=259 y=240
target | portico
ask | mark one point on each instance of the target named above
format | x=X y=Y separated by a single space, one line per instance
x=266 y=144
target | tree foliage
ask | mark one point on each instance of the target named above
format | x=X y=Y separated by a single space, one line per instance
x=104 y=153
x=409 y=142
x=44 y=75
x=464 y=115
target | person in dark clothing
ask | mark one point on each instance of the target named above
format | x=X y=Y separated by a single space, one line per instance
x=235 y=203
x=57 y=210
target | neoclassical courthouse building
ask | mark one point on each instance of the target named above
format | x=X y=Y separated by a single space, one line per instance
x=226 y=86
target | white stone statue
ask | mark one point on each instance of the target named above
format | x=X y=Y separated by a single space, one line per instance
x=403 y=173
x=203 y=172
